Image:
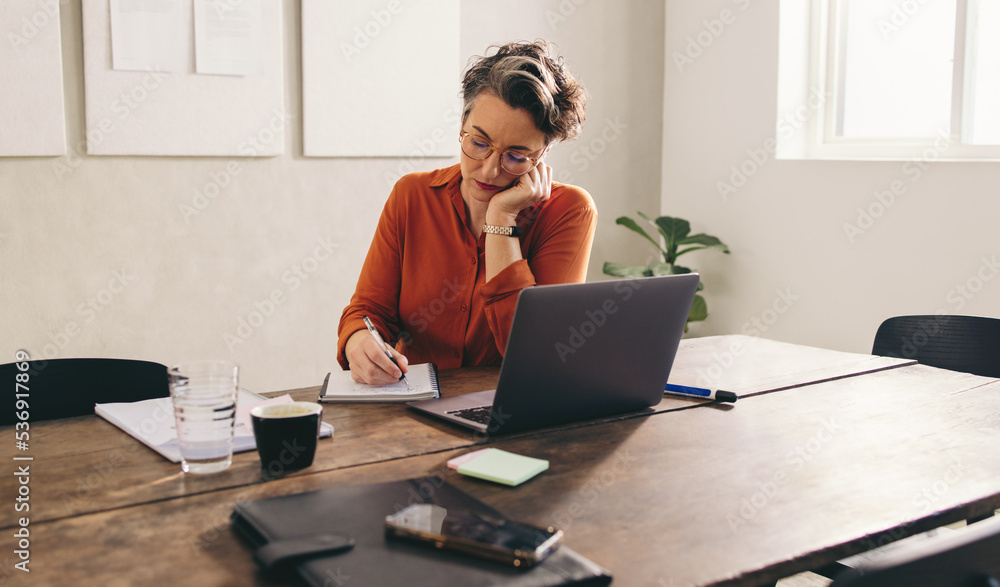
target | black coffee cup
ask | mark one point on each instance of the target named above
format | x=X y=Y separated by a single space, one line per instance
x=286 y=435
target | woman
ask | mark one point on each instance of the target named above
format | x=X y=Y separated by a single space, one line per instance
x=454 y=246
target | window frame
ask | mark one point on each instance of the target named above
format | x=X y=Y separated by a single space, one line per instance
x=824 y=72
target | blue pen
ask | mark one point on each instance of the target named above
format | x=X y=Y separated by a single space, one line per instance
x=716 y=394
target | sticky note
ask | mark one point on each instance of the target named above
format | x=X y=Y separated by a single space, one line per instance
x=458 y=461
x=503 y=467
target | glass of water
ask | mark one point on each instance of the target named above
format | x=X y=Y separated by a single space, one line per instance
x=204 y=398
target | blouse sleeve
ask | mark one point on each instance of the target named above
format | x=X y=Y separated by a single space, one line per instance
x=559 y=253
x=377 y=293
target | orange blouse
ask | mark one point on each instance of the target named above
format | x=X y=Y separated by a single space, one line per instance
x=423 y=283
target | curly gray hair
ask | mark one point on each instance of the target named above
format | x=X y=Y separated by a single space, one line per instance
x=529 y=76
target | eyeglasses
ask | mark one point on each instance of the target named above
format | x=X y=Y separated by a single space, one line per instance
x=478 y=148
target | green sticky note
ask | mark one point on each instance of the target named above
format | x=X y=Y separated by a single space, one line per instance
x=504 y=467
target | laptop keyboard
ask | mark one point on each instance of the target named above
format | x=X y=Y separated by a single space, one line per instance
x=480 y=414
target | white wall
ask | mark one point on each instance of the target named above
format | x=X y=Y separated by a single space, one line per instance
x=933 y=249
x=100 y=261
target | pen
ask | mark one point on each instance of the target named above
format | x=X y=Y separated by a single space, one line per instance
x=385 y=349
x=716 y=394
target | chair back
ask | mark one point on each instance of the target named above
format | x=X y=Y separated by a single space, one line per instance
x=967 y=557
x=970 y=344
x=60 y=388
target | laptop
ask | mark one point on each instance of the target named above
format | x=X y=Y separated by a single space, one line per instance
x=577 y=352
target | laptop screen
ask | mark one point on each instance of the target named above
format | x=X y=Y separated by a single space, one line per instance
x=580 y=351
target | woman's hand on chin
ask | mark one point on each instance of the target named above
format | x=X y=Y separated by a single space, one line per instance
x=530 y=189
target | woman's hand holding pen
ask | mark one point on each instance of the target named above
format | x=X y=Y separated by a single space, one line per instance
x=368 y=361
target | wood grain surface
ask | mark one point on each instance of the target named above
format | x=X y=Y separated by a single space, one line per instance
x=715 y=495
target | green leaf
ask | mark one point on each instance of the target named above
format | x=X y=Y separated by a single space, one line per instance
x=647 y=219
x=660 y=268
x=675 y=233
x=622 y=270
x=699 y=310
x=706 y=240
x=673 y=230
x=668 y=253
x=634 y=226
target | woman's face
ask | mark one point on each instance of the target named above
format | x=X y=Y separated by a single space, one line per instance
x=505 y=128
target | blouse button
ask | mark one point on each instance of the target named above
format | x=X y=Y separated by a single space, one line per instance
x=473 y=260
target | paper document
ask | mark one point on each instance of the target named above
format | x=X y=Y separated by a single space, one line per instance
x=228 y=36
x=152 y=423
x=149 y=35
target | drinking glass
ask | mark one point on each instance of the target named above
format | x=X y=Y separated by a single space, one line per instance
x=204 y=398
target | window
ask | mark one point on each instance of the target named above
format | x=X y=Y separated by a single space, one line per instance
x=889 y=79
x=983 y=69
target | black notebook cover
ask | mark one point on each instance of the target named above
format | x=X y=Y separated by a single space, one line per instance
x=360 y=511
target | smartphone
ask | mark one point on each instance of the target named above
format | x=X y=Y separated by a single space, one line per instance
x=520 y=545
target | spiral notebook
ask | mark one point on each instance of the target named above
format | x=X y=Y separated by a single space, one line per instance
x=339 y=387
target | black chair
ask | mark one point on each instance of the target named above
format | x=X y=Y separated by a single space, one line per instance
x=61 y=388
x=967 y=557
x=970 y=344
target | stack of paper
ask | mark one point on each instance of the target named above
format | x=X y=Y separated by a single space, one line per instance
x=152 y=422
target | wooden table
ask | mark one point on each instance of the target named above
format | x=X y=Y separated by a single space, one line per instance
x=686 y=494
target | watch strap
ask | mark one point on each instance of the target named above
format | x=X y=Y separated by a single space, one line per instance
x=502 y=230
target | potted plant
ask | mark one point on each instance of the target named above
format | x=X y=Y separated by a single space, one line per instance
x=676 y=241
